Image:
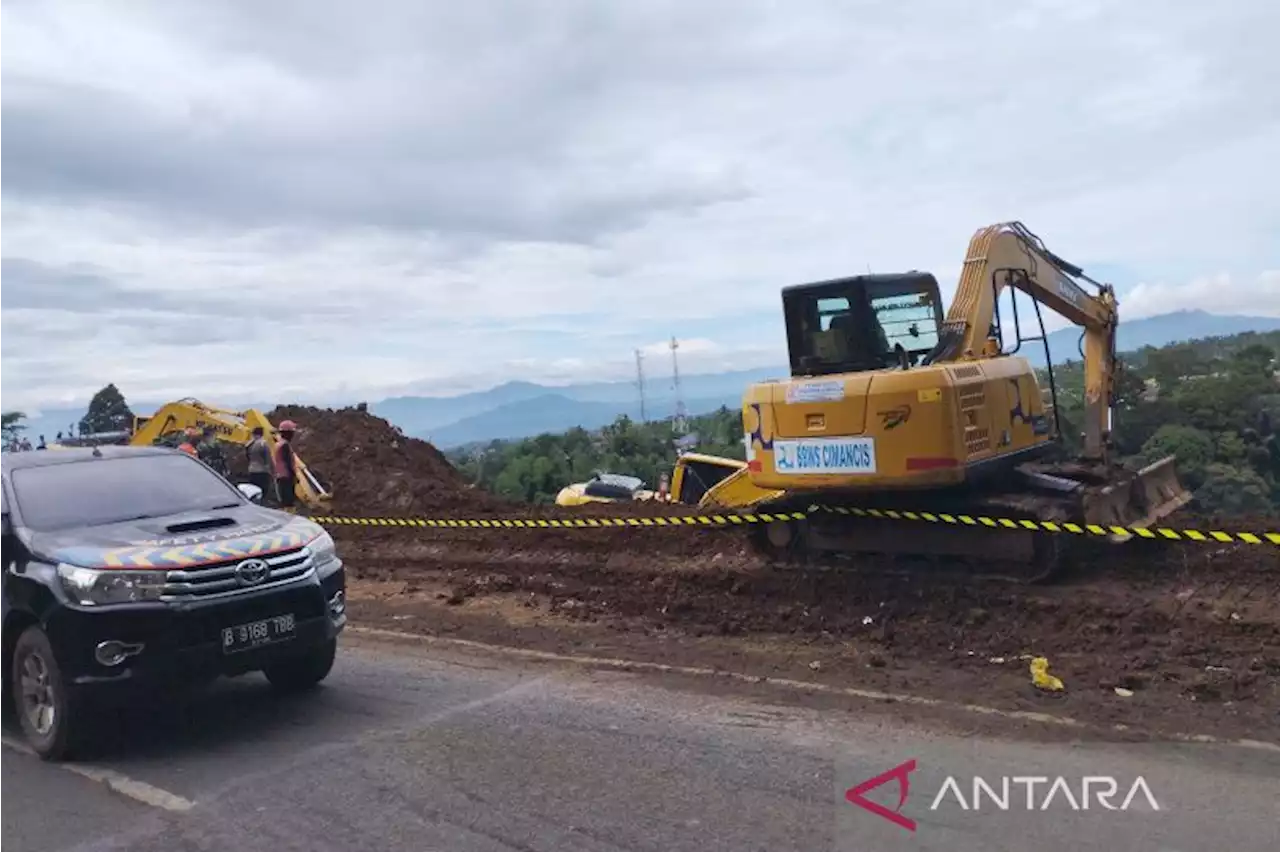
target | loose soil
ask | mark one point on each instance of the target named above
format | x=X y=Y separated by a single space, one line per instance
x=1158 y=636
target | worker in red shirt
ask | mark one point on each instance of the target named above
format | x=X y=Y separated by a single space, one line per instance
x=284 y=466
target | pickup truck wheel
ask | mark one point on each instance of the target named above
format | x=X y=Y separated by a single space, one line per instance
x=45 y=711
x=305 y=670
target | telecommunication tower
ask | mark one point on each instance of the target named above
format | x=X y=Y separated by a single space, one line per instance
x=640 y=383
x=679 y=424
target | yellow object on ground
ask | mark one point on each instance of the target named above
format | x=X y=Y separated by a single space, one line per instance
x=1041 y=678
x=604 y=488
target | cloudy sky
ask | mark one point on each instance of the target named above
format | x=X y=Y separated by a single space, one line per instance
x=324 y=199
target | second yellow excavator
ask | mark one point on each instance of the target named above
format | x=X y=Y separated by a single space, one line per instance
x=892 y=407
x=235 y=427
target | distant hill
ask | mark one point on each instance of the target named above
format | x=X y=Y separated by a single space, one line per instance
x=1161 y=330
x=554 y=412
x=418 y=415
x=532 y=409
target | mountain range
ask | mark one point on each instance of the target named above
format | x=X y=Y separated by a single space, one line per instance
x=522 y=409
x=519 y=409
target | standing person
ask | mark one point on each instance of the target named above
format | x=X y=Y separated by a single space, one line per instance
x=190 y=438
x=42 y=445
x=283 y=464
x=258 y=453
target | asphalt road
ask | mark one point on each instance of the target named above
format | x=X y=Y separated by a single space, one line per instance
x=420 y=749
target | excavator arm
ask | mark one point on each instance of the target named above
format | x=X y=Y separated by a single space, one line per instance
x=233 y=427
x=1009 y=255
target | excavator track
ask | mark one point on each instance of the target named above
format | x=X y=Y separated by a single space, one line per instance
x=848 y=536
x=995 y=535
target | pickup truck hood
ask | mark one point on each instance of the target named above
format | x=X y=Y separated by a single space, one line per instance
x=178 y=541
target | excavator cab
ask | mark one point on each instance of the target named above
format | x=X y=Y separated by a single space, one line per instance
x=867 y=322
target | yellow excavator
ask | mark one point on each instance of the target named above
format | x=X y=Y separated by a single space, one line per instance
x=715 y=482
x=235 y=427
x=892 y=407
x=705 y=481
x=604 y=488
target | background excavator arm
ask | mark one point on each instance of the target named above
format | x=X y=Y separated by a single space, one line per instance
x=1009 y=255
x=234 y=427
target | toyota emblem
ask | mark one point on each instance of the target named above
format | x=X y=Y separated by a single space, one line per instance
x=251 y=572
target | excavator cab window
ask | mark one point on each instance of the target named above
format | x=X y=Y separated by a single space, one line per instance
x=870 y=322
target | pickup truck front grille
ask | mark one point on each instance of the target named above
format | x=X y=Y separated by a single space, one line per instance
x=222 y=579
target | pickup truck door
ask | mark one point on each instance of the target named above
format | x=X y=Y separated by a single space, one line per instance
x=8 y=550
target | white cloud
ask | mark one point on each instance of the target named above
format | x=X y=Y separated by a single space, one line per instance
x=1219 y=294
x=259 y=201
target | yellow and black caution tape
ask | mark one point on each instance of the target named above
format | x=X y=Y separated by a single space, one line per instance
x=574 y=523
x=736 y=519
x=1159 y=533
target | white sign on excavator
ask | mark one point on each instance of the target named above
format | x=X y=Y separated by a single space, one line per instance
x=825 y=455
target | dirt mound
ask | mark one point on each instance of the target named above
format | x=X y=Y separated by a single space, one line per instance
x=373 y=468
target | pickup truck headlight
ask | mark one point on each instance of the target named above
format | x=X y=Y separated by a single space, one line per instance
x=98 y=587
x=325 y=554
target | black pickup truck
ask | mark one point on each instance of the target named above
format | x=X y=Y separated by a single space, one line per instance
x=131 y=570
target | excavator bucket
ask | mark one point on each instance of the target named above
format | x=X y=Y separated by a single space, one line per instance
x=1162 y=491
x=1141 y=499
x=319 y=492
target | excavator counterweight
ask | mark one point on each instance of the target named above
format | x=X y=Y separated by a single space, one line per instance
x=919 y=434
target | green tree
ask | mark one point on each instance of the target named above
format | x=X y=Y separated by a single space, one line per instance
x=1230 y=448
x=1193 y=448
x=1234 y=490
x=108 y=412
x=1170 y=365
x=13 y=425
x=1255 y=358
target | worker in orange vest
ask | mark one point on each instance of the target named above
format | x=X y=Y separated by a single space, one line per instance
x=284 y=468
x=188 y=445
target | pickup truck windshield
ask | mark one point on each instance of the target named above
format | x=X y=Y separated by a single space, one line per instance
x=107 y=491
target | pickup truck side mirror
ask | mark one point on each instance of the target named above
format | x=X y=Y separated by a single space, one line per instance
x=252 y=492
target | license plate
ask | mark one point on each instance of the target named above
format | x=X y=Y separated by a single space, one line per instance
x=255 y=634
x=825 y=455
